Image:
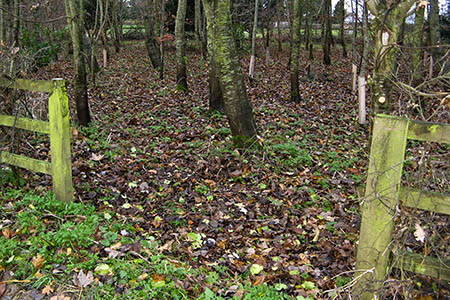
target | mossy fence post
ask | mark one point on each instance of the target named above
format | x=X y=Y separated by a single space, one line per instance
x=60 y=133
x=58 y=127
x=382 y=201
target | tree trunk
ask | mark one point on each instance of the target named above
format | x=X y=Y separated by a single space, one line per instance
x=2 y=23
x=215 y=93
x=388 y=21
x=180 y=43
x=362 y=70
x=75 y=17
x=354 y=35
x=267 y=44
x=327 y=34
x=116 y=25
x=342 y=32
x=161 y=35
x=279 y=7
x=198 y=22
x=237 y=105
x=150 y=42
x=295 y=50
x=251 y=71
x=16 y=23
x=433 y=18
x=417 y=44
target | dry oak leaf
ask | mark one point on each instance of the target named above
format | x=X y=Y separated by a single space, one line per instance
x=38 y=261
x=6 y=233
x=47 y=290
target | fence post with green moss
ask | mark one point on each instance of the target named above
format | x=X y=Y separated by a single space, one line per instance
x=383 y=196
x=58 y=127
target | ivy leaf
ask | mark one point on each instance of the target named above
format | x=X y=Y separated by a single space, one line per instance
x=256 y=269
x=103 y=269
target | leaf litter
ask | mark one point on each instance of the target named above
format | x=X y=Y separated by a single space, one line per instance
x=158 y=160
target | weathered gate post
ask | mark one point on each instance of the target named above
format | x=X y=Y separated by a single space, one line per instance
x=60 y=134
x=380 y=202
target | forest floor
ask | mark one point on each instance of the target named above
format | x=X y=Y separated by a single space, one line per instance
x=172 y=211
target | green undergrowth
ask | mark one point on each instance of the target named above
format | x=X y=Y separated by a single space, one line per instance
x=48 y=244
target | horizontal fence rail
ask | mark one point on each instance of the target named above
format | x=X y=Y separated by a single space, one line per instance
x=58 y=128
x=383 y=195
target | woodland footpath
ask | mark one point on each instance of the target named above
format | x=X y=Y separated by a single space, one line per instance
x=167 y=208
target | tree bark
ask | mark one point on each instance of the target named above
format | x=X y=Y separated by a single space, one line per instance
x=237 y=105
x=279 y=7
x=16 y=23
x=75 y=19
x=180 y=43
x=388 y=20
x=327 y=34
x=433 y=18
x=295 y=50
x=116 y=24
x=417 y=44
x=150 y=42
x=162 y=4
x=198 y=20
x=342 y=31
x=362 y=70
x=215 y=92
x=267 y=44
x=2 y=22
x=251 y=71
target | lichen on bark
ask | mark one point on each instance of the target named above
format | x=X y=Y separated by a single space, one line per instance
x=236 y=103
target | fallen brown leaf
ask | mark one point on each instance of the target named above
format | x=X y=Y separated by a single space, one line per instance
x=38 y=261
x=47 y=290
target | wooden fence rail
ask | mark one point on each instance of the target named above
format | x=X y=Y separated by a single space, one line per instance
x=58 y=127
x=381 y=202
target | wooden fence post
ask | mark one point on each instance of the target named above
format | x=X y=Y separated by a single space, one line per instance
x=60 y=136
x=380 y=203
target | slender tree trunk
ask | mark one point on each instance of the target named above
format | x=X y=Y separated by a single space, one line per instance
x=362 y=70
x=16 y=22
x=197 y=20
x=267 y=44
x=180 y=43
x=418 y=43
x=295 y=50
x=3 y=7
x=280 y=5
x=150 y=42
x=75 y=17
x=161 y=37
x=116 y=25
x=327 y=34
x=251 y=71
x=433 y=18
x=342 y=32
x=354 y=54
x=237 y=105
